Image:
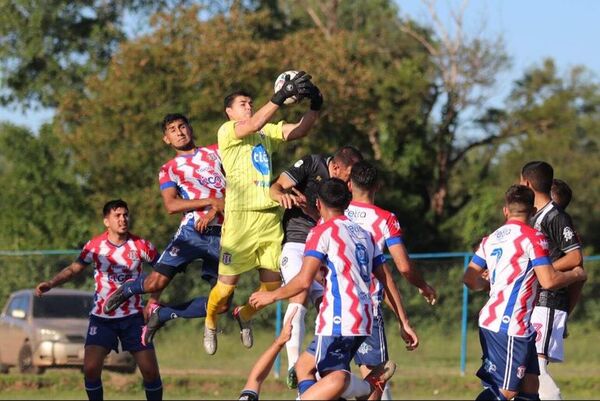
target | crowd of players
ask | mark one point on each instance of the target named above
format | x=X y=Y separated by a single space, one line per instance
x=316 y=228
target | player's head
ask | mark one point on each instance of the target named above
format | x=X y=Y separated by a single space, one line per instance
x=178 y=132
x=342 y=162
x=561 y=193
x=238 y=105
x=333 y=194
x=116 y=216
x=538 y=176
x=364 y=177
x=518 y=202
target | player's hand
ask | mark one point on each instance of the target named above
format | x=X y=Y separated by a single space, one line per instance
x=287 y=201
x=286 y=331
x=409 y=336
x=299 y=86
x=429 y=294
x=204 y=219
x=581 y=274
x=42 y=287
x=316 y=98
x=218 y=204
x=261 y=299
x=147 y=309
x=485 y=275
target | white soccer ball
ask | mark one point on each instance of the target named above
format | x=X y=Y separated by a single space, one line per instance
x=280 y=81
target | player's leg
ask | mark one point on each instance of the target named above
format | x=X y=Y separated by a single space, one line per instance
x=529 y=389
x=549 y=325
x=373 y=352
x=329 y=387
x=130 y=334
x=99 y=341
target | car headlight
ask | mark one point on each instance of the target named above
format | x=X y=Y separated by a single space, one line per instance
x=50 y=335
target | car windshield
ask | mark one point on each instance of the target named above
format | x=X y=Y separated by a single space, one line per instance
x=62 y=306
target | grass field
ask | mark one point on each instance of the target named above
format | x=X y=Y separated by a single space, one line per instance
x=431 y=372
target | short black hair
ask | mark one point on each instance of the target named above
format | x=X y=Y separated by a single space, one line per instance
x=539 y=174
x=347 y=156
x=228 y=101
x=519 y=199
x=112 y=205
x=364 y=175
x=169 y=118
x=334 y=193
x=561 y=193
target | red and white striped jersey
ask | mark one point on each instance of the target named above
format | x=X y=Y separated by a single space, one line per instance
x=195 y=176
x=384 y=227
x=113 y=265
x=510 y=254
x=349 y=255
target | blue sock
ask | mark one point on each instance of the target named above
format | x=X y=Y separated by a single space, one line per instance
x=134 y=287
x=305 y=385
x=94 y=390
x=188 y=310
x=154 y=390
x=527 y=396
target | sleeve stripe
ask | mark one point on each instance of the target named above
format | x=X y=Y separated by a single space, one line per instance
x=393 y=241
x=378 y=260
x=543 y=260
x=290 y=177
x=571 y=248
x=83 y=262
x=479 y=261
x=167 y=184
x=315 y=254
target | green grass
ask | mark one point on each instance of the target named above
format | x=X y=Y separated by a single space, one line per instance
x=431 y=372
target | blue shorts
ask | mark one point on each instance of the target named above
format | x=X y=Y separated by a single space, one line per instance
x=108 y=332
x=334 y=352
x=506 y=359
x=373 y=350
x=188 y=245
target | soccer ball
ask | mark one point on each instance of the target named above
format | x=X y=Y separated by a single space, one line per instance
x=279 y=83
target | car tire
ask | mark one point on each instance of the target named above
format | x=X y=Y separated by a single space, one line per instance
x=25 y=362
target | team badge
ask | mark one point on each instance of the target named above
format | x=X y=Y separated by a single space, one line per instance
x=93 y=330
x=544 y=243
x=488 y=366
x=521 y=372
x=568 y=234
x=364 y=349
x=174 y=251
x=226 y=258
x=337 y=353
x=337 y=320
x=133 y=256
x=299 y=163
x=284 y=261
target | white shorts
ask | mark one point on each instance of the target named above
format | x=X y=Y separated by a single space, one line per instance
x=290 y=265
x=549 y=325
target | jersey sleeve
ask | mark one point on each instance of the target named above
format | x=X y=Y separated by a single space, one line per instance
x=378 y=256
x=164 y=178
x=87 y=255
x=479 y=257
x=149 y=253
x=538 y=251
x=316 y=244
x=300 y=170
x=226 y=135
x=561 y=228
x=394 y=231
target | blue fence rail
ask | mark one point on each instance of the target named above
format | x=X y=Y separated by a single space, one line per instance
x=465 y=256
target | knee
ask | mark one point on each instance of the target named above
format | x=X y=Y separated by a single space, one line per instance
x=155 y=282
x=92 y=371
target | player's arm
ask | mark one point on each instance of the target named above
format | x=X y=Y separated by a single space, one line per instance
x=473 y=277
x=63 y=276
x=552 y=279
x=302 y=282
x=569 y=260
x=402 y=261
x=300 y=129
x=280 y=191
x=175 y=204
x=262 y=367
x=394 y=300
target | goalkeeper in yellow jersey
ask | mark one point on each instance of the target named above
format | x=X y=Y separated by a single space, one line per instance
x=252 y=234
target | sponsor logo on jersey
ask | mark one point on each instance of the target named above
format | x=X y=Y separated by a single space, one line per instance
x=337 y=320
x=362 y=257
x=226 y=258
x=503 y=232
x=505 y=319
x=260 y=159
x=568 y=233
x=356 y=214
x=119 y=277
x=211 y=181
x=356 y=232
x=93 y=330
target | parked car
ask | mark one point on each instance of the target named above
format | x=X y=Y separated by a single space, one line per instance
x=49 y=331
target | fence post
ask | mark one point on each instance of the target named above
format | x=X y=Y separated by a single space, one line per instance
x=277 y=366
x=465 y=307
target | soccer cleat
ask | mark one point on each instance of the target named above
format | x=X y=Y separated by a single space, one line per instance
x=210 y=340
x=116 y=298
x=245 y=329
x=292 y=378
x=380 y=375
x=153 y=325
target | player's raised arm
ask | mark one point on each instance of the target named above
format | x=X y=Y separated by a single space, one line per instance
x=62 y=277
x=301 y=128
x=173 y=203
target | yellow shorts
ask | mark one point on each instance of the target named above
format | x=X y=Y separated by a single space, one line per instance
x=249 y=240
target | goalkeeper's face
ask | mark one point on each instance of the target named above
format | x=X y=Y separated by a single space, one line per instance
x=240 y=109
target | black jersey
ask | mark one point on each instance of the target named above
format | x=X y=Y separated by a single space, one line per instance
x=557 y=226
x=306 y=174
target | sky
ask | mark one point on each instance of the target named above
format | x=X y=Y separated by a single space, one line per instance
x=566 y=30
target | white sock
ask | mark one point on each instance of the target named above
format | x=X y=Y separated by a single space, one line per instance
x=387 y=394
x=543 y=363
x=548 y=388
x=294 y=344
x=357 y=388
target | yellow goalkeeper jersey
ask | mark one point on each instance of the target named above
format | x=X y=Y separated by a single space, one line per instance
x=247 y=165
